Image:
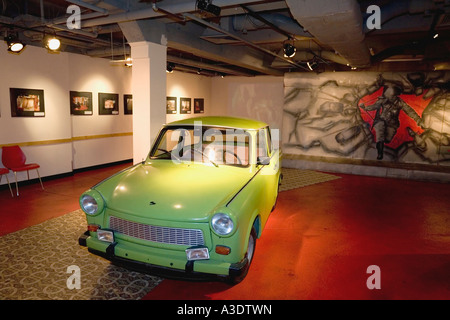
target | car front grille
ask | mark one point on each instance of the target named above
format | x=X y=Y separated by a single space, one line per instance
x=168 y=235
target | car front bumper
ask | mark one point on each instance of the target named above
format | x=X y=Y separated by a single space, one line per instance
x=162 y=262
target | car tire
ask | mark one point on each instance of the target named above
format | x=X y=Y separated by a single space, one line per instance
x=249 y=255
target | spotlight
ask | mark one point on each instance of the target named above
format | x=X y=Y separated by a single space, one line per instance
x=14 y=45
x=312 y=65
x=206 y=5
x=289 y=50
x=128 y=62
x=53 y=44
x=170 y=67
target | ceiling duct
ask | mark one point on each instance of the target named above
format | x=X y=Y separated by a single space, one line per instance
x=288 y=25
x=338 y=24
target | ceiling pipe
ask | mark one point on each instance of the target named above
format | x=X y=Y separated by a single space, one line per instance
x=267 y=22
x=285 y=25
x=106 y=52
x=84 y=16
x=251 y=44
x=205 y=66
x=308 y=55
x=176 y=8
x=175 y=17
x=88 y=6
x=92 y=35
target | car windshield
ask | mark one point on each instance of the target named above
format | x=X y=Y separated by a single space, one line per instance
x=217 y=146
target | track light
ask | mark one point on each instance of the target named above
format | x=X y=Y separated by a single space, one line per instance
x=170 y=67
x=14 y=45
x=206 y=5
x=128 y=62
x=312 y=65
x=289 y=49
x=53 y=44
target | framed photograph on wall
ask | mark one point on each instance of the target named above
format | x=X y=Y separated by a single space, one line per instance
x=108 y=103
x=128 y=104
x=199 y=105
x=27 y=102
x=185 y=105
x=171 y=105
x=81 y=103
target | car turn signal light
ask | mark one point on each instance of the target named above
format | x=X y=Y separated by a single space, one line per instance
x=223 y=250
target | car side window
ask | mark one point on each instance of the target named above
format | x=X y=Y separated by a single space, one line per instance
x=262 y=144
x=269 y=140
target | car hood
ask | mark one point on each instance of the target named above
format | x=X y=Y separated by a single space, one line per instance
x=164 y=190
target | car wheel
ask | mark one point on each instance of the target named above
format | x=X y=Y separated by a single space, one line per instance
x=249 y=254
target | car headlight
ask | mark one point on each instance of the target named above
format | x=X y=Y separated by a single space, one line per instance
x=222 y=224
x=91 y=202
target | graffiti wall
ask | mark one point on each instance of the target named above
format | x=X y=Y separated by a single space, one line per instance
x=398 y=117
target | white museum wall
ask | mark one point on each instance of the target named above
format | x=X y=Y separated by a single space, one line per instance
x=48 y=140
x=99 y=76
x=34 y=68
x=260 y=98
x=186 y=85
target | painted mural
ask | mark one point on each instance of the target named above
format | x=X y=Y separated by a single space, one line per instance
x=400 y=117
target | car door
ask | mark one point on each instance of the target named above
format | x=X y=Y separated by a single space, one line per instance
x=268 y=161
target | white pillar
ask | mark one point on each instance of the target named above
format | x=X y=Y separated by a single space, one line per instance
x=149 y=95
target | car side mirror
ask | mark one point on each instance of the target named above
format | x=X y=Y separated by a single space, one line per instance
x=263 y=160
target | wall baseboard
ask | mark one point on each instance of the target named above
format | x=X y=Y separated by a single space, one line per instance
x=369 y=168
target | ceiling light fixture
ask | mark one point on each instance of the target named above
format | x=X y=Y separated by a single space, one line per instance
x=207 y=6
x=312 y=65
x=128 y=62
x=170 y=67
x=53 y=44
x=289 y=49
x=14 y=45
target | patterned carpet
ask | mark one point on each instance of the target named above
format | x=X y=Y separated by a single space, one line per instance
x=34 y=262
x=295 y=178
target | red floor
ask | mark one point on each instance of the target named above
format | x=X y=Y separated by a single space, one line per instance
x=317 y=244
x=35 y=205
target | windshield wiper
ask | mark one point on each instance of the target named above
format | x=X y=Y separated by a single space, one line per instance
x=165 y=152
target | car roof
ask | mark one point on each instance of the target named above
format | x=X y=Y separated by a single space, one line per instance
x=227 y=122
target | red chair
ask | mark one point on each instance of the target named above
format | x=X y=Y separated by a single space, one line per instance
x=4 y=171
x=14 y=159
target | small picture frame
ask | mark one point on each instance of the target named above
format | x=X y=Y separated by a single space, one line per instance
x=108 y=103
x=185 y=105
x=199 y=105
x=81 y=103
x=171 y=105
x=27 y=102
x=128 y=104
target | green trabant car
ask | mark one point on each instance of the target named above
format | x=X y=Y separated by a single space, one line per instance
x=196 y=205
